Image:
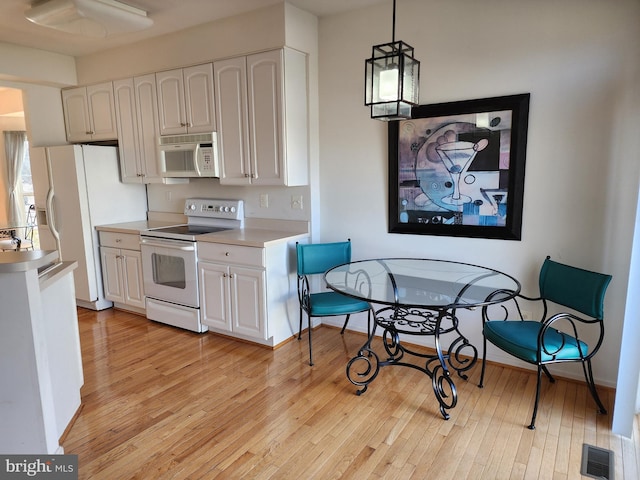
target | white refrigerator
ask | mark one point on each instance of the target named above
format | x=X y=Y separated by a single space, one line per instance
x=78 y=187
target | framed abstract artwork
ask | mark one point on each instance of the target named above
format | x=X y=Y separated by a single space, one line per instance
x=457 y=168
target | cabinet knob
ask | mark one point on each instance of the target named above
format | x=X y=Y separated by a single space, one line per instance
x=226 y=254
x=118 y=240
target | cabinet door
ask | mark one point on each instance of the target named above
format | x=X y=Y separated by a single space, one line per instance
x=171 y=106
x=248 y=305
x=102 y=111
x=127 y=122
x=76 y=114
x=148 y=130
x=233 y=121
x=214 y=295
x=199 y=98
x=112 y=274
x=132 y=272
x=265 y=97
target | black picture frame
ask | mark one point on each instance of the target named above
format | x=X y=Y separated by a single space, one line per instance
x=458 y=168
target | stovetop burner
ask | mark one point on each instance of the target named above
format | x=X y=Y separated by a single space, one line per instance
x=204 y=215
x=190 y=229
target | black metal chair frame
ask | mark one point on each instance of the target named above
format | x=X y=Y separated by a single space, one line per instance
x=304 y=301
x=552 y=323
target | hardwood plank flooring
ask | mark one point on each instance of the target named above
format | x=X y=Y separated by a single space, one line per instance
x=164 y=403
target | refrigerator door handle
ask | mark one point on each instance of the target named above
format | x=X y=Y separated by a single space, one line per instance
x=52 y=216
x=53 y=228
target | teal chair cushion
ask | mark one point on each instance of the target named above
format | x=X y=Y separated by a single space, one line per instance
x=332 y=303
x=520 y=339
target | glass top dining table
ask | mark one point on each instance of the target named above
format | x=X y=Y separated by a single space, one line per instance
x=416 y=296
x=422 y=283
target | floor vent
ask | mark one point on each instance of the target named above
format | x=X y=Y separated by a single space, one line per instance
x=596 y=462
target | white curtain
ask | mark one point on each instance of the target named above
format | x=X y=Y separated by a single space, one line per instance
x=14 y=152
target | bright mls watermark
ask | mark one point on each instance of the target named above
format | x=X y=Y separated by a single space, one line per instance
x=50 y=467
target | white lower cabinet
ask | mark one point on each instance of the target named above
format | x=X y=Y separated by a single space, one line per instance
x=122 y=270
x=244 y=291
x=232 y=299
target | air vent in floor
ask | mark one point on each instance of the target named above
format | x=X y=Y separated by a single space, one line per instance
x=596 y=462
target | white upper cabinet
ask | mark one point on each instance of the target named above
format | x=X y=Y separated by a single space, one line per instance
x=186 y=100
x=232 y=118
x=89 y=113
x=262 y=118
x=137 y=119
x=148 y=128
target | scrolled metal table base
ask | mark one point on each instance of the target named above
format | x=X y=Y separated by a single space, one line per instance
x=460 y=356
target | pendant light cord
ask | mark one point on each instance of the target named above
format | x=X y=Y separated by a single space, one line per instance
x=393 y=30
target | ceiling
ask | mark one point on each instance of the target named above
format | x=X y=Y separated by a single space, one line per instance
x=168 y=16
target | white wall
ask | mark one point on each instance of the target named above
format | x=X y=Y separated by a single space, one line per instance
x=39 y=75
x=579 y=60
x=19 y=64
x=259 y=30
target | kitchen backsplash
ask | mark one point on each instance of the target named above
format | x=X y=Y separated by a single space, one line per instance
x=284 y=203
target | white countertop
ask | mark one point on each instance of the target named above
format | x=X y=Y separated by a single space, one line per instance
x=24 y=260
x=250 y=236
x=134 y=227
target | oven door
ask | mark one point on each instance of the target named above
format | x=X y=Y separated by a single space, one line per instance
x=169 y=270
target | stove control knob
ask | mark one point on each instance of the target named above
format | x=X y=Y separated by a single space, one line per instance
x=226 y=209
x=191 y=207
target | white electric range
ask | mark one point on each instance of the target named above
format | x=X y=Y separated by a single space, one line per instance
x=170 y=258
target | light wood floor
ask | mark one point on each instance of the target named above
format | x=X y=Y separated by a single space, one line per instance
x=164 y=403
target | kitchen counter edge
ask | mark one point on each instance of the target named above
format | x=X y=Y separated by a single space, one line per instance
x=25 y=260
x=249 y=237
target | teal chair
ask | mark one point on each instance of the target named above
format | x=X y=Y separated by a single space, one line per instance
x=554 y=339
x=316 y=259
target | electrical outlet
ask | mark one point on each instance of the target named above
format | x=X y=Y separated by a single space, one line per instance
x=264 y=200
x=296 y=202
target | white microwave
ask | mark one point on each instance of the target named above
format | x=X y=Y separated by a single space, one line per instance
x=189 y=155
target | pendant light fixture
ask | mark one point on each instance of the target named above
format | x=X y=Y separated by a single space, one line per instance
x=392 y=79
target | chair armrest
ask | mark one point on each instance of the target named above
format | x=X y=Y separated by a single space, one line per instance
x=509 y=309
x=565 y=323
x=304 y=292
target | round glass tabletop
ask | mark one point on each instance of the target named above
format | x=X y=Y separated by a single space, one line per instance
x=423 y=283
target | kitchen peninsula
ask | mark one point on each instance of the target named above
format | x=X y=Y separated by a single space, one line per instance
x=40 y=359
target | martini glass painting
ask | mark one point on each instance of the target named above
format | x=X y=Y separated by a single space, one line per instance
x=456 y=157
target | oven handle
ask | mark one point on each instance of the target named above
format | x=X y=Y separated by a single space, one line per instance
x=189 y=247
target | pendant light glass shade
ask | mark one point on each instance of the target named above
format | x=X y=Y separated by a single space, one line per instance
x=392 y=79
